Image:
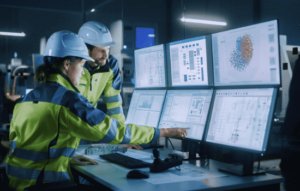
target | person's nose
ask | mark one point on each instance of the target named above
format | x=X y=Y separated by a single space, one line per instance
x=105 y=54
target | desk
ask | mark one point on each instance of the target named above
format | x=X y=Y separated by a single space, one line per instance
x=114 y=177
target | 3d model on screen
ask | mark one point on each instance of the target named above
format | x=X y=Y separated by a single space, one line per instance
x=240 y=57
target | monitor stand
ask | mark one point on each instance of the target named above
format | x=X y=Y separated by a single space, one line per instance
x=195 y=149
x=244 y=168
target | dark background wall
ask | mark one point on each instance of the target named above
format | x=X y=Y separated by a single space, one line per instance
x=35 y=24
x=39 y=18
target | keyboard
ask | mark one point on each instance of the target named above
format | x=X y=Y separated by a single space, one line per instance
x=125 y=161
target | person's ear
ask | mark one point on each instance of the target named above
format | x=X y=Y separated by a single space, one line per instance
x=90 y=52
x=67 y=63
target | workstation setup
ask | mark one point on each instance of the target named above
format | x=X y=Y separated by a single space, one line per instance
x=118 y=102
x=222 y=89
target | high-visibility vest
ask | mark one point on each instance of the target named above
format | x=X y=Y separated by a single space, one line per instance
x=103 y=86
x=47 y=126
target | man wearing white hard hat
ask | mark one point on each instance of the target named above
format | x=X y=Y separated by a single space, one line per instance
x=101 y=84
x=102 y=77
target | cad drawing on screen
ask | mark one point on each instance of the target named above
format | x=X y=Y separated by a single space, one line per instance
x=240 y=117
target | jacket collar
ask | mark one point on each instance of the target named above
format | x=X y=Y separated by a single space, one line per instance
x=99 y=69
x=63 y=80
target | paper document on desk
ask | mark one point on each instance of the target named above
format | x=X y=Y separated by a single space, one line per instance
x=187 y=173
x=94 y=157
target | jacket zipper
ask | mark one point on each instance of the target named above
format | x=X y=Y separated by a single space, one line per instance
x=91 y=83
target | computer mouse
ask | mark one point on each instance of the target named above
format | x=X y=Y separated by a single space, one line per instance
x=137 y=174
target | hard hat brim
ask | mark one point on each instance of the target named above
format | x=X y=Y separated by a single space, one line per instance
x=85 y=57
x=105 y=45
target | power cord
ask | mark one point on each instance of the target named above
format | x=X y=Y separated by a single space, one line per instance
x=258 y=166
x=185 y=146
x=176 y=167
x=170 y=143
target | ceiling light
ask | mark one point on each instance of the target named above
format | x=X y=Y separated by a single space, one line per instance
x=204 y=21
x=12 y=34
x=93 y=10
x=151 y=35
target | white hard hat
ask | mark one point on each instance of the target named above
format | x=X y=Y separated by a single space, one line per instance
x=66 y=43
x=96 y=34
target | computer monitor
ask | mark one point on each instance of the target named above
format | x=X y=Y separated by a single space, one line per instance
x=145 y=107
x=247 y=55
x=190 y=62
x=150 y=71
x=242 y=118
x=28 y=90
x=186 y=108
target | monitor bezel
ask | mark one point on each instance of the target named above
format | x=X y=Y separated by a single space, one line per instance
x=252 y=85
x=209 y=64
x=268 y=126
x=165 y=67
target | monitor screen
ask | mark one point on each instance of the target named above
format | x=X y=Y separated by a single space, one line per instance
x=247 y=55
x=28 y=90
x=186 y=108
x=190 y=62
x=145 y=107
x=150 y=67
x=242 y=118
x=144 y=37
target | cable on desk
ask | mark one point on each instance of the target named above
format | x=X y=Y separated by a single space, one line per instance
x=176 y=167
x=170 y=143
x=258 y=166
x=186 y=146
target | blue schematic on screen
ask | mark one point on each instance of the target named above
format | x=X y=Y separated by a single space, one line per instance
x=247 y=55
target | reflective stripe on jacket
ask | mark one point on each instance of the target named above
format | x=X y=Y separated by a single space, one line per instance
x=104 y=82
x=47 y=126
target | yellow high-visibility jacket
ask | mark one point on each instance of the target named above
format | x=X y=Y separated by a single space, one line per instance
x=104 y=84
x=47 y=126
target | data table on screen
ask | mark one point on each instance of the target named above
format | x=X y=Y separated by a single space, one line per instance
x=145 y=107
x=188 y=61
x=247 y=55
x=241 y=118
x=186 y=108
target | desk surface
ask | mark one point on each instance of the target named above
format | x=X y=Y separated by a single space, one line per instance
x=114 y=177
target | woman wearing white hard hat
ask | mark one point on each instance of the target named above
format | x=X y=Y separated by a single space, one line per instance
x=49 y=122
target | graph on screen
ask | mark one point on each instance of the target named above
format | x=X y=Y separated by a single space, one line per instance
x=188 y=59
x=241 y=117
x=241 y=56
x=247 y=55
x=186 y=108
x=150 y=67
x=145 y=107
